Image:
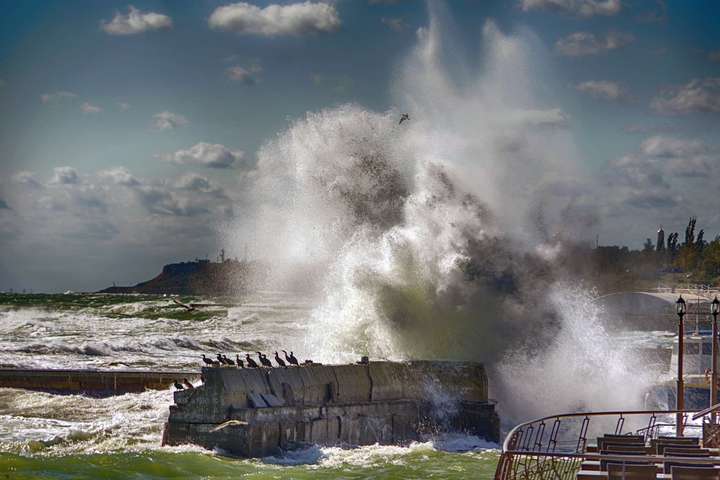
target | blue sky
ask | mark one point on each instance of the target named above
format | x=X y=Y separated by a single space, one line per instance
x=128 y=129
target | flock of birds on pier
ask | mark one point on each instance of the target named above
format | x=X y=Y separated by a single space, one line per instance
x=223 y=360
x=265 y=362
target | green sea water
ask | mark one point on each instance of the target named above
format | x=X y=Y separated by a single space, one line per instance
x=416 y=463
x=45 y=436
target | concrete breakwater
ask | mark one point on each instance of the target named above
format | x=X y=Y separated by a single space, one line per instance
x=90 y=382
x=256 y=412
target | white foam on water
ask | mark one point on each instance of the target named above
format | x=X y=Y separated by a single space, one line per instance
x=41 y=423
x=374 y=455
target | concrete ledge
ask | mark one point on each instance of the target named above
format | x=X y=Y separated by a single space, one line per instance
x=255 y=412
x=91 y=382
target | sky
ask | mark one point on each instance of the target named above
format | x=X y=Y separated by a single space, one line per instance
x=129 y=131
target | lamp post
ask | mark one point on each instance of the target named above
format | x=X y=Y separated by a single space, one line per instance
x=714 y=310
x=680 y=405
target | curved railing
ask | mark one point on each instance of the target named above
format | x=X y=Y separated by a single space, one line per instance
x=554 y=447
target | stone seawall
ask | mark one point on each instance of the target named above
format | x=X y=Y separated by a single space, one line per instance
x=256 y=412
x=90 y=382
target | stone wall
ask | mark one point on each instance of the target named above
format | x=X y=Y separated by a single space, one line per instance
x=255 y=412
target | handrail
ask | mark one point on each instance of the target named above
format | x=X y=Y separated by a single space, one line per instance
x=586 y=414
x=707 y=411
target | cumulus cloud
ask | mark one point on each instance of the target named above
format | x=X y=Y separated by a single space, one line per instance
x=65 y=176
x=134 y=22
x=87 y=107
x=395 y=24
x=207 y=155
x=582 y=8
x=57 y=96
x=168 y=121
x=248 y=76
x=603 y=89
x=580 y=44
x=119 y=176
x=275 y=20
x=698 y=95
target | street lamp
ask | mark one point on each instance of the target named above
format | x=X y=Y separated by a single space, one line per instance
x=680 y=308
x=714 y=310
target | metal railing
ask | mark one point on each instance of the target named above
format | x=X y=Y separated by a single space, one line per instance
x=554 y=447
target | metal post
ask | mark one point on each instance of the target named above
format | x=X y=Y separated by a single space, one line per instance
x=714 y=379
x=680 y=405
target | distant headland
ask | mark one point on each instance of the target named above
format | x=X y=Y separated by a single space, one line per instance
x=226 y=276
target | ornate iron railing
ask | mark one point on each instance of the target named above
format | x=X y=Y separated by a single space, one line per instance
x=554 y=447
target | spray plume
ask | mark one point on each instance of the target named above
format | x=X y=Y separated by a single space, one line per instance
x=423 y=233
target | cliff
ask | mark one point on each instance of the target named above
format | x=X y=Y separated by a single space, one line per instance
x=200 y=277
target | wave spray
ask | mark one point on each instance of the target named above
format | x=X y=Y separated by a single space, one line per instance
x=425 y=237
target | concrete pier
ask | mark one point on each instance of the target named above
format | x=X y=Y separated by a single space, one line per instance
x=91 y=382
x=257 y=412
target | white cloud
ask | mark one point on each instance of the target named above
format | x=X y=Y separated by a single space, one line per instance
x=661 y=146
x=124 y=107
x=274 y=20
x=603 y=89
x=87 y=107
x=582 y=8
x=65 y=176
x=168 y=120
x=584 y=43
x=207 y=155
x=57 y=96
x=396 y=24
x=698 y=95
x=119 y=176
x=135 y=22
x=248 y=76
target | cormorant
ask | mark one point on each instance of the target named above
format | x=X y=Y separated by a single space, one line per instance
x=403 y=117
x=239 y=361
x=279 y=360
x=264 y=360
x=293 y=359
x=229 y=361
x=178 y=386
x=208 y=361
x=221 y=359
x=187 y=384
x=250 y=362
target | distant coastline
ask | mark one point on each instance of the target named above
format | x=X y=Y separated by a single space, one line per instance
x=199 y=277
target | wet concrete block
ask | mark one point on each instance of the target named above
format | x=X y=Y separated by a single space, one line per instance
x=353 y=383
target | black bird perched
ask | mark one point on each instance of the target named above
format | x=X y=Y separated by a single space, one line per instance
x=221 y=360
x=208 y=361
x=187 y=384
x=293 y=359
x=403 y=117
x=250 y=362
x=264 y=360
x=229 y=361
x=279 y=360
x=239 y=361
x=179 y=386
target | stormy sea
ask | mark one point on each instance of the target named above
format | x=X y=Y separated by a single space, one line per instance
x=71 y=436
x=432 y=239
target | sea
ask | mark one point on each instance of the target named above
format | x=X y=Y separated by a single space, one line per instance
x=46 y=436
